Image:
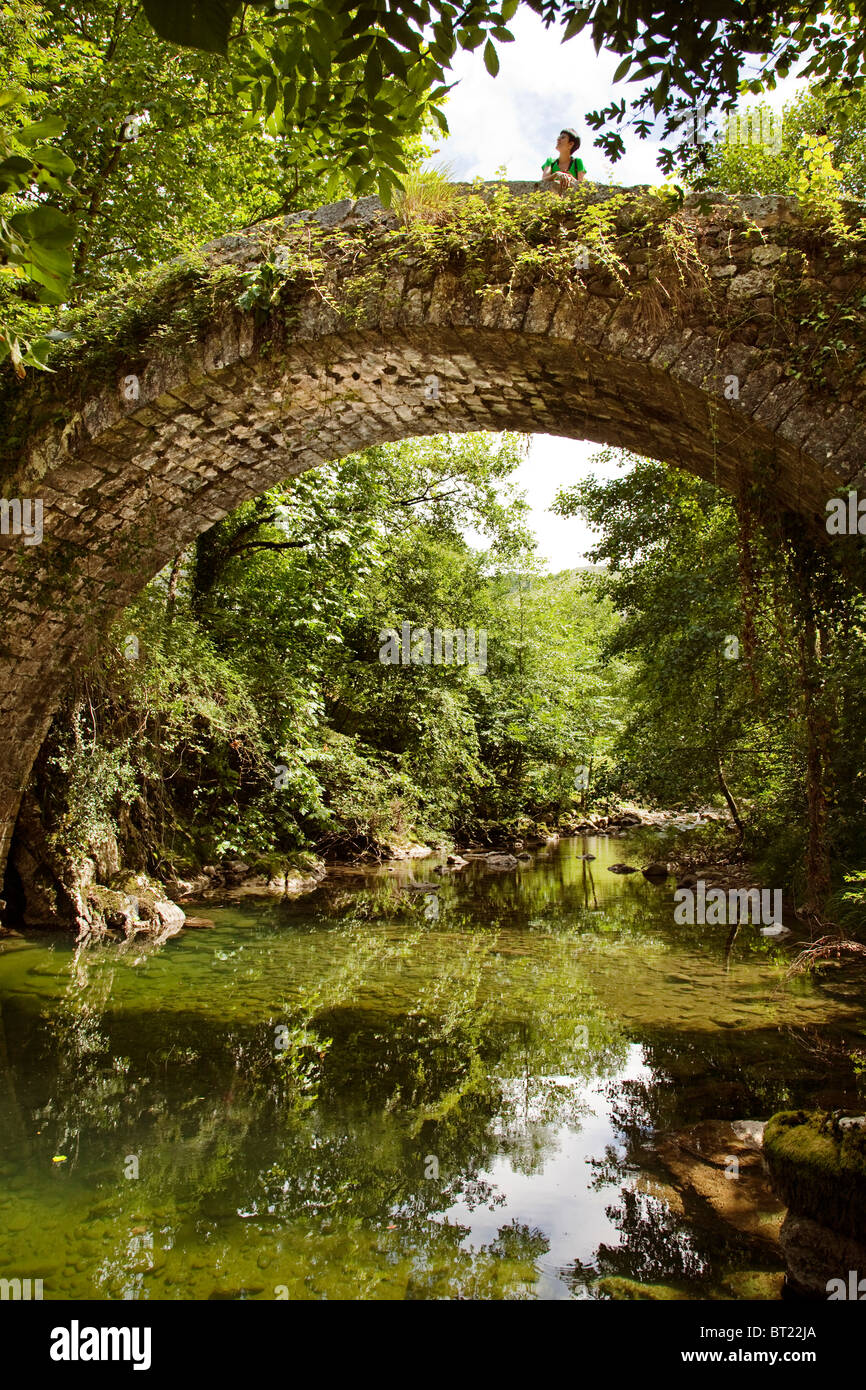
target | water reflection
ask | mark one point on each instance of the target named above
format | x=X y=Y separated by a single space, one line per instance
x=349 y=1096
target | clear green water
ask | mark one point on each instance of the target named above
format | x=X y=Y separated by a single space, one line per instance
x=459 y=1105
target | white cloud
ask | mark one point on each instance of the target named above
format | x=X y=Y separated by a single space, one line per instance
x=513 y=120
x=544 y=84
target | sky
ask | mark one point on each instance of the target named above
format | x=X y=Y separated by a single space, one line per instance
x=513 y=120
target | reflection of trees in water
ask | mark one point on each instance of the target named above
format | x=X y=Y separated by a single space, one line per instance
x=92 y=1087
x=504 y=1268
x=693 y=1077
x=704 y=1075
x=478 y=1057
x=657 y=1246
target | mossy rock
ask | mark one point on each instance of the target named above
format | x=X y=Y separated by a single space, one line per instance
x=137 y=884
x=630 y=1290
x=754 y=1284
x=818 y=1168
x=114 y=905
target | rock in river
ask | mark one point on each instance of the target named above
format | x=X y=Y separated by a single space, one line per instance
x=817 y=1165
x=501 y=861
x=705 y=1159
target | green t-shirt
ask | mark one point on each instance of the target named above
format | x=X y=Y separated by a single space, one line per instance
x=574 y=168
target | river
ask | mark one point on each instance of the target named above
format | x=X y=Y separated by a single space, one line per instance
x=376 y=1092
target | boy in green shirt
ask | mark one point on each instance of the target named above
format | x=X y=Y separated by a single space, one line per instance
x=565 y=170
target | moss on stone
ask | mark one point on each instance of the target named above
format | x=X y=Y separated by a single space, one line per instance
x=819 y=1168
x=629 y=1290
x=754 y=1284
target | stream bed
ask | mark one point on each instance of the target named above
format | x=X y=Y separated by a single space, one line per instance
x=380 y=1092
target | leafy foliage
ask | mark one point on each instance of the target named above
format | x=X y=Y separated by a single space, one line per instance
x=259 y=717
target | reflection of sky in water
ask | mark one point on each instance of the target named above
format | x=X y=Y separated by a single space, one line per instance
x=534 y=1033
x=559 y=1199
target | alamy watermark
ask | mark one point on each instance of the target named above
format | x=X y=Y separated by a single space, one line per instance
x=77 y=1343
x=22 y=517
x=714 y=907
x=20 y=1289
x=855 y=1290
x=760 y=126
x=846 y=516
x=417 y=646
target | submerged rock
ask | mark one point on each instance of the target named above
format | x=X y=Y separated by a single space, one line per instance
x=621 y=869
x=656 y=870
x=816 y=1256
x=721 y=1162
x=618 y=1288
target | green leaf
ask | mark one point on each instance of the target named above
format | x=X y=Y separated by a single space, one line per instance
x=576 y=24
x=47 y=129
x=201 y=24
x=402 y=33
x=46 y=225
x=15 y=173
x=491 y=59
x=49 y=157
x=373 y=74
x=623 y=68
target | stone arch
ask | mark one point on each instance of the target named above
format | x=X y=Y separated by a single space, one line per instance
x=163 y=441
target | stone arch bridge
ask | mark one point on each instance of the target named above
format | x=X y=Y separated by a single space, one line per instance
x=690 y=334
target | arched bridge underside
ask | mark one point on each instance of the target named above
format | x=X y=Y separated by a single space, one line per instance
x=314 y=336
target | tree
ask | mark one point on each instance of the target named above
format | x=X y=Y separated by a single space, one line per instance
x=683 y=55
x=120 y=152
x=777 y=162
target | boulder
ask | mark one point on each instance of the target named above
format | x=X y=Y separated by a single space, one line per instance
x=152 y=911
x=656 y=870
x=815 y=1257
x=235 y=870
x=456 y=861
x=501 y=861
x=817 y=1166
x=704 y=1159
x=621 y=869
